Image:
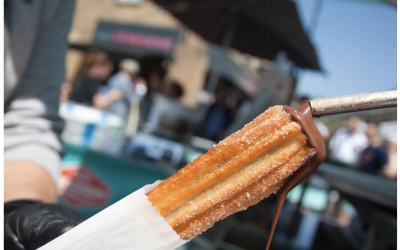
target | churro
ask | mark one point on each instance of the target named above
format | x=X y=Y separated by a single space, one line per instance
x=240 y=171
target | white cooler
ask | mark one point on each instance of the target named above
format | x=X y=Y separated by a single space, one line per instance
x=92 y=128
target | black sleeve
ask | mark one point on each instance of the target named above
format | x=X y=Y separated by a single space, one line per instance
x=85 y=89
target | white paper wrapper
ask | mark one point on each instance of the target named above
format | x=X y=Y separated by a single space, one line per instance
x=131 y=223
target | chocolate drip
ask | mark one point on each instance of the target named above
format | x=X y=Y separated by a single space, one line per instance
x=304 y=117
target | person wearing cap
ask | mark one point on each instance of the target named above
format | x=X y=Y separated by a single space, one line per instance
x=131 y=88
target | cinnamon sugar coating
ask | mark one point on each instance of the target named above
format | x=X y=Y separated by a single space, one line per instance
x=239 y=172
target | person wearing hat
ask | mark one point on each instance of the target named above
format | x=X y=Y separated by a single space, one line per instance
x=131 y=88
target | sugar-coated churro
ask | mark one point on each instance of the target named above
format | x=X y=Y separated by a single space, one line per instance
x=240 y=171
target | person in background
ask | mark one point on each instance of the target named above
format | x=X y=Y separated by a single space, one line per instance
x=174 y=93
x=154 y=81
x=35 y=44
x=154 y=85
x=65 y=93
x=348 y=143
x=219 y=115
x=390 y=169
x=374 y=157
x=96 y=68
x=130 y=88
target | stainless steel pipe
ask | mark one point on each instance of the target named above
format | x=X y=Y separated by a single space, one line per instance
x=352 y=103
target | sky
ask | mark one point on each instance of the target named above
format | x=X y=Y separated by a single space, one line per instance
x=356 y=43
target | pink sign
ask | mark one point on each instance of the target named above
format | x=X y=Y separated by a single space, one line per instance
x=142 y=40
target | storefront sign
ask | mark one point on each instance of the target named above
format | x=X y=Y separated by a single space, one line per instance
x=138 y=39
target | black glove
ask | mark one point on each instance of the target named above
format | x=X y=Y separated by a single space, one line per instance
x=32 y=224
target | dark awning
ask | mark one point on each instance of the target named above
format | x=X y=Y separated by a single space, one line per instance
x=259 y=28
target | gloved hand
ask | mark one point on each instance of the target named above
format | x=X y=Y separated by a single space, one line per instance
x=32 y=224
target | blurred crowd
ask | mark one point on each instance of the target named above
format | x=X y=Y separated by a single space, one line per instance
x=96 y=87
x=118 y=87
x=128 y=93
x=358 y=145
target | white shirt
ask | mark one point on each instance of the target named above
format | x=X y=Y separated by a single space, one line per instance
x=347 y=147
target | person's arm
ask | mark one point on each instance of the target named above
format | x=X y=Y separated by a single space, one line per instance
x=28 y=180
x=103 y=101
x=32 y=149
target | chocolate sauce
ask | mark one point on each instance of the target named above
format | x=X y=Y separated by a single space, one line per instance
x=304 y=117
